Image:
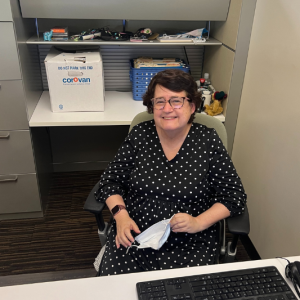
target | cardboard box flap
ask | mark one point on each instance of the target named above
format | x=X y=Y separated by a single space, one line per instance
x=51 y=54
x=78 y=57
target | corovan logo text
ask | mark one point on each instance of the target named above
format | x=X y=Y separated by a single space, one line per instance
x=75 y=79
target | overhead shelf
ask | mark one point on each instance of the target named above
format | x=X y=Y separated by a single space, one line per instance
x=40 y=41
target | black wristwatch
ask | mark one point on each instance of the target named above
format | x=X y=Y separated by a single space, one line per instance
x=117 y=209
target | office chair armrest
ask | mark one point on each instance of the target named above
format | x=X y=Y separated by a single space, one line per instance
x=239 y=225
x=95 y=207
x=91 y=204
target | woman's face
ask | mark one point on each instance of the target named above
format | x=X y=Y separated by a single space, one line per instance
x=169 y=119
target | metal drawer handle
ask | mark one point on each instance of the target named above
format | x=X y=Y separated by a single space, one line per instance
x=5 y=136
x=12 y=179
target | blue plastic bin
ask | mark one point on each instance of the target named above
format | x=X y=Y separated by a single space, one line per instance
x=140 y=78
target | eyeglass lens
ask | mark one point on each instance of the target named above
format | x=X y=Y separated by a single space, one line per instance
x=176 y=102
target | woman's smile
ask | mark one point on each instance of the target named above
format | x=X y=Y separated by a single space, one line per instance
x=169 y=118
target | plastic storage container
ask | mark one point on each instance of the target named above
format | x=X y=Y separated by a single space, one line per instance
x=140 y=78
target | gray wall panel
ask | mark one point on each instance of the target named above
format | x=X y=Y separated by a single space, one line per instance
x=226 y=32
x=5 y=11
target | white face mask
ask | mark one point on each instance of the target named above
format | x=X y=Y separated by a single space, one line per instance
x=155 y=236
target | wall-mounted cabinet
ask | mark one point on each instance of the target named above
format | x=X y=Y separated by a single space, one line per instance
x=188 y=10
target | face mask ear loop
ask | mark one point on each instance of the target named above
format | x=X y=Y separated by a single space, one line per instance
x=130 y=247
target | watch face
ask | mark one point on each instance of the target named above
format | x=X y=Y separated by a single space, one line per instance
x=115 y=209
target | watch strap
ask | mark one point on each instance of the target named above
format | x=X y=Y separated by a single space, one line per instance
x=116 y=209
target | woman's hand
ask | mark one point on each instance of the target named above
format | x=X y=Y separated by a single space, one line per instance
x=124 y=226
x=183 y=222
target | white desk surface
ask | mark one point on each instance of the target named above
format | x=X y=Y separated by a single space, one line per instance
x=120 y=287
x=120 y=109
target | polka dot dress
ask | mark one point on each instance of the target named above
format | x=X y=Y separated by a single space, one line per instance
x=155 y=188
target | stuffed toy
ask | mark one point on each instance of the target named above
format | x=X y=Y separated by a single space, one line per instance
x=216 y=108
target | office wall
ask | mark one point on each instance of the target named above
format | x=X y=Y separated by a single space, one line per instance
x=227 y=66
x=222 y=58
x=267 y=140
x=216 y=59
x=218 y=62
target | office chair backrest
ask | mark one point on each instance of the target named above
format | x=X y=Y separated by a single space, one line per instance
x=208 y=121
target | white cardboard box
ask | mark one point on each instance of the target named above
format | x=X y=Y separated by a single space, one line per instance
x=75 y=80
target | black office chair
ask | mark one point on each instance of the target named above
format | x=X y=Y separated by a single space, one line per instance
x=237 y=226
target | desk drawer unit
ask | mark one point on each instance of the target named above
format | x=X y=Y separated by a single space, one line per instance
x=12 y=106
x=9 y=59
x=16 y=152
x=19 y=194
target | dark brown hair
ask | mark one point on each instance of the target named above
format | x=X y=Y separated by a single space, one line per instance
x=176 y=81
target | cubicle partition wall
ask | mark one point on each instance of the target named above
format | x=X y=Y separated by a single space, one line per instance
x=85 y=141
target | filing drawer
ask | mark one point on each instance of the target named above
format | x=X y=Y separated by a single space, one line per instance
x=9 y=59
x=12 y=106
x=5 y=11
x=19 y=193
x=16 y=152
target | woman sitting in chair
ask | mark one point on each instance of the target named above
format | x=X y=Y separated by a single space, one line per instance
x=168 y=167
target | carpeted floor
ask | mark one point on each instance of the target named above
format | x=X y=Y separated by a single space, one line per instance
x=64 y=239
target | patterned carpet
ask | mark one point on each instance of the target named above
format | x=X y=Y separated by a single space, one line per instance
x=64 y=239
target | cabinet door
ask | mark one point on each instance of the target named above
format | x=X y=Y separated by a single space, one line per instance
x=12 y=106
x=19 y=193
x=188 y=10
x=9 y=60
x=5 y=11
x=16 y=152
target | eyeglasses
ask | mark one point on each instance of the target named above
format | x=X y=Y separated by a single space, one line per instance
x=175 y=102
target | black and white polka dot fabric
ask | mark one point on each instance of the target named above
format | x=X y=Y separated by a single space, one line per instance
x=155 y=188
